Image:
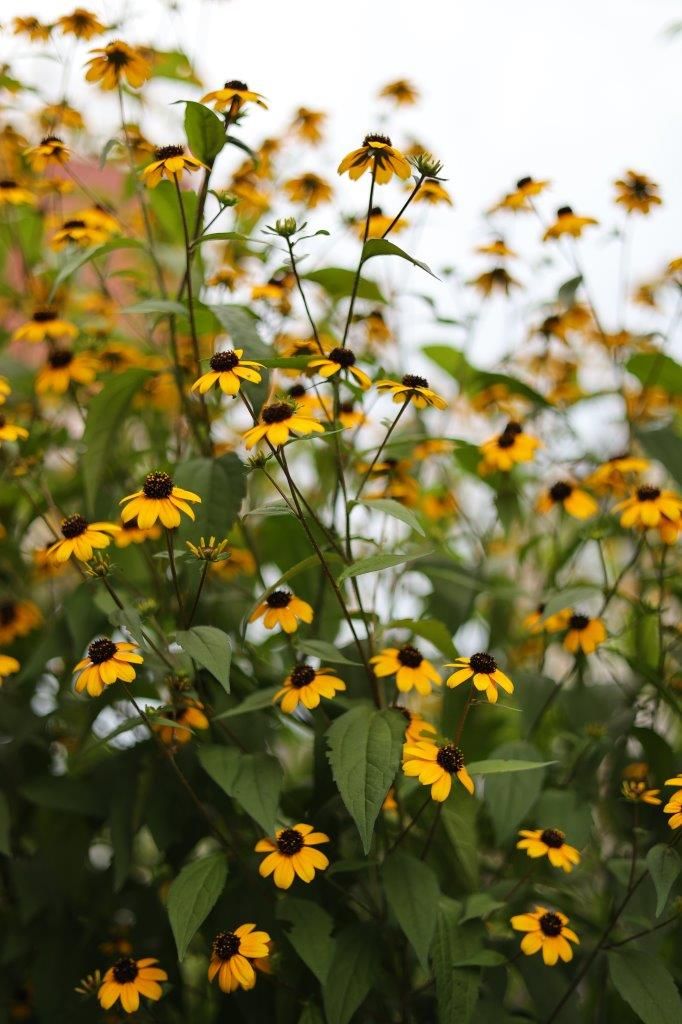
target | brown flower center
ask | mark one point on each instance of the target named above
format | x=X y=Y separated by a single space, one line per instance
x=343 y=356
x=410 y=657
x=51 y=140
x=553 y=838
x=278 y=598
x=551 y=925
x=44 y=316
x=73 y=526
x=278 y=412
x=376 y=137
x=560 y=491
x=117 y=56
x=578 y=622
x=225 y=945
x=101 y=650
x=7 y=183
x=59 y=358
x=412 y=381
x=289 y=842
x=648 y=493
x=522 y=182
x=484 y=663
x=157 y=485
x=69 y=225
x=166 y=152
x=8 y=613
x=450 y=758
x=302 y=675
x=564 y=211
x=125 y=970
x=221 y=362
x=237 y=85
x=297 y=391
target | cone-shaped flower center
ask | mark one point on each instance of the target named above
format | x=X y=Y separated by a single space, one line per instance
x=289 y=842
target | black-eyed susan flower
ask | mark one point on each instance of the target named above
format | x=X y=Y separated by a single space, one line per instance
x=648 y=507
x=537 y=622
x=577 y=502
x=51 y=151
x=129 y=979
x=81 y=539
x=350 y=415
x=282 y=608
x=584 y=634
x=106 y=662
x=611 y=476
x=169 y=162
x=340 y=359
x=568 y=223
x=377 y=224
x=496 y=280
x=17 y=618
x=5 y=390
x=9 y=666
x=63 y=368
x=232 y=956
x=34 y=29
x=378 y=155
x=439 y=504
x=416 y=724
x=637 y=791
x=412 y=389
x=435 y=765
x=76 y=231
x=45 y=325
x=482 y=669
x=504 y=450
x=547 y=931
x=292 y=852
x=80 y=23
x=550 y=843
x=158 y=499
x=307 y=125
x=233 y=97
x=11 y=431
x=116 y=62
x=307 y=685
x=188 y=717
x=309 y=189
x=520 y=199
x=277 y=290
x=240 y=563
x=278 y=421
x=674 y=809
x=637 y=193
x=130 y=533
x=14 y=194
x=227 y=371
x=411 y=669
x=433 y=193
x=402 y=92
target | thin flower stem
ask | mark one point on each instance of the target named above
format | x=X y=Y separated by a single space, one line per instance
x=202 y=580
x=381 y=448
x=413 y=821
x=148 y=640
x=432 y=832
x=356 y=281
x=645 y=931
x=176 y=585
x=299 y=285
x=463 y=716
x=402 y=209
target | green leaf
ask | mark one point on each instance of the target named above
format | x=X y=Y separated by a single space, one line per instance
x=471 y=380
x=210 y=648
x=364 y=752
x=655 y=368
x=205 y=132
x=412 y=892
x=375 y=563
x=570 y=597
x=433 y=630
x=567 y=291
x=479 y=904
x=456 y=987
x=310 y=934
x=167 y=306
x=644 y=983
x=221 y=485
x=324 y=651
x=508 y=797
x=664 y=445
x=393 y=508
x=106 y=412
x=664 y=866
x=80 y=258
x=459 y=822
x=257 y=701
x=338 y=283
x=355 y=957
x=483 y=958
x=192 y=896
x=493 y=766
x=5 y=823
x=253 y=780
x=382 y=247
x=241 y=324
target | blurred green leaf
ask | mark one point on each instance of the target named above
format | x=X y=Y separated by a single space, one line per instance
x=646 y=984
x=221 y=485
x=310 y=934
x=5 y=825
x=393 y=508
x=192 y=896
x=253 y=780
x=509 y=797
x=375 y=563
x=338 y=283
x=664 y=866
x=664 y=445
x=211 y=649
x=656 y=369
x=456 y=987
x=412 y=892
x=355 y=959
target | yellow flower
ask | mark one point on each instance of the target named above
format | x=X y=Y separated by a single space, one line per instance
x=64 y=367
x=412 y=389
x=432 y=192
x=584 y=634
x=8 y=666
x=191 y=715
x=650 y=507
x=277 y=422
x=130 y=533
x=575 y=501
x=232 y=954
x=169 y=162
x=379 y=223
x=306 y=685
x=49 y=151
x=80 y=23
x=276 y=290
x=282 y=608
x=350 y=416
x=13 y=194
x=506 y=449
x=227 y=371
x=45 y=325
x=555 y=623
x=520 y=199
x=309 y=189
x=233 y=97
x=410 y=668
x=76 y=231
x=292 y=852
x=115 y=62
x=402 y=92
x=5 y=390
x=434 y=766
x=483 y=671
x=31 y=27
x=637 y=791
x=307 y=124
x=129 y=979
x=378 y=155
x=674 y=809
x=498 y=279
x=339 y=359
x=106 y=662
x=10 y=431
x=550 y=843
x=416 y=725
x=497 y=248
x=158 y=499
x=81 y=538
x=17 y=618
x=637 y=193
x=547 y=931
x=567 y=223
x=610 y=476
x=241 y=562
x=439 y=504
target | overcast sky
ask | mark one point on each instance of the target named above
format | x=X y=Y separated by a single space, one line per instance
x=573 y=91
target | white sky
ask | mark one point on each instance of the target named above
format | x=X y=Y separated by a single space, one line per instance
x=573 y=91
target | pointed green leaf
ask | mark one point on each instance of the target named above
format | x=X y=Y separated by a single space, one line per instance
x=253 y=780
x=310 y=934
x=643 y=982
x=205 y=132
x=664 y=866
x=382 y=247
x=211 y=649
x=393 y=508
x=192 y=896
x=412 y=892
